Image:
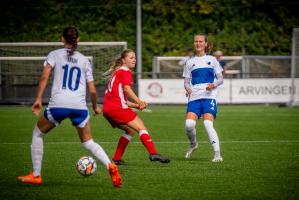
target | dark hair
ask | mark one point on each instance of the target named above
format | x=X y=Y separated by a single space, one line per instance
x=117 y=63
x=70 y=35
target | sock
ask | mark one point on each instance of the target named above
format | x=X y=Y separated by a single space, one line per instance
x=212 y=136
x=121 y=146
x=97 y=151
x=147 y=141
x=37 y=150
x=191 y=131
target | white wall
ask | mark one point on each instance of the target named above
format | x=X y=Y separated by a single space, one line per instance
x=171 y=91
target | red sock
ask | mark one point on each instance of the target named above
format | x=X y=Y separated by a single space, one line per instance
x=121 y=147
x=148 y=143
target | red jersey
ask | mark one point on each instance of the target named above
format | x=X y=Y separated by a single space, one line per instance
x=115 y=98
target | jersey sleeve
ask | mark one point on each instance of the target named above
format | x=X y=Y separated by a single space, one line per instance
x=217 y=67
x=88 y=71
x=50 y=60
x=126 y=78
x=187 y=70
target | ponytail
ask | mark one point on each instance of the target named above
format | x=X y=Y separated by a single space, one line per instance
x=116 y=64
x=71 y=34
x=209 y=47
x=107 y=74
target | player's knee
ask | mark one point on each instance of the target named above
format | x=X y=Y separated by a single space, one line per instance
x=190 y=124
x=37 y=132
x=208 y=123
x=129 y=131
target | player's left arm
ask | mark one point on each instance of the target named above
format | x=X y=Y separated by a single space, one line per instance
x=219 y=76
x=37 y=105
x=218 y=82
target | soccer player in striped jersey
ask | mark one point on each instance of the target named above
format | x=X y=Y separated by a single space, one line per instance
x=72 y=72
x=117 y=109
x=203 y=75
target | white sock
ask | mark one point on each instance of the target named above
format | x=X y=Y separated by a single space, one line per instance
x=37 y=150
x=97 y=151
x=212 y=134
x=127 y=136
x=191 y=131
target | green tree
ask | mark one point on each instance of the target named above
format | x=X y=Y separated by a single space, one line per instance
x=246 y=27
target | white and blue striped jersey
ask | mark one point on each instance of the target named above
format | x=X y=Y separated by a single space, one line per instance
x=202 y=71
x=70 y=77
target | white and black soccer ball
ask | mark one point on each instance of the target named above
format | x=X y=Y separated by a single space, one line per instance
x=86 y=166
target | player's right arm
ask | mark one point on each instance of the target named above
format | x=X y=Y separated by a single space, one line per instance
x=133 y=105
x=187 y=79
x=37 y=105
x=130 y=93
x=187 y=86
x=93 y=97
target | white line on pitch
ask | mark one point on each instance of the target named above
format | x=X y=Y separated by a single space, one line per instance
x=165 y=142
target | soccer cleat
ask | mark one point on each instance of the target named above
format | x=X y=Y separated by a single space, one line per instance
x=115 y=177
x=190 y=150
x=118 y=162
x=217 y=159
x=30 y=179
x=158 y=157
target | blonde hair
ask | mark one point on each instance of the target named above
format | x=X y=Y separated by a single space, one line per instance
x=116 y=64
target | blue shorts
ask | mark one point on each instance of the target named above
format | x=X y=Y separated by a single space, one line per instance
x=202 y=106
x=78 y=118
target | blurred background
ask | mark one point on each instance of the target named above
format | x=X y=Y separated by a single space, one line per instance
x=255 y=36
x=247 y=27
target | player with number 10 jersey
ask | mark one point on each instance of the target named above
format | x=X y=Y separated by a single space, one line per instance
x=70 y=77
x=72 y=73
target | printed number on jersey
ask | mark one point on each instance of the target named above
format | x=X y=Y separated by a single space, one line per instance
x=212 y=104
x=71 y=77
x=111 y=84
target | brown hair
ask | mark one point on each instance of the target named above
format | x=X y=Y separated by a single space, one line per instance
x=116 y=64
x=70 y=35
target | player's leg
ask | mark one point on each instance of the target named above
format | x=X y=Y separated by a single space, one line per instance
x=208 y=119
x=138 y=125
x=37 y=150
x=89 y=144
x=37 y=146
x=122 y=144
x=96 y=150
x=193 y=111
x=190 y=127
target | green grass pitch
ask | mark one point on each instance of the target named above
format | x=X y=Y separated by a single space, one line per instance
x=260 y=148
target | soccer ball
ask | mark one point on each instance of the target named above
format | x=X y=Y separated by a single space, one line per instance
x=86 y=166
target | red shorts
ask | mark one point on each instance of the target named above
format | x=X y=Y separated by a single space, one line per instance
x=121 y=116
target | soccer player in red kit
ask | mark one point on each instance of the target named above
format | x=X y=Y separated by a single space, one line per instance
x=117 y=109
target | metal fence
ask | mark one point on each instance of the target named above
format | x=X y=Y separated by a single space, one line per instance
x=238 y=67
